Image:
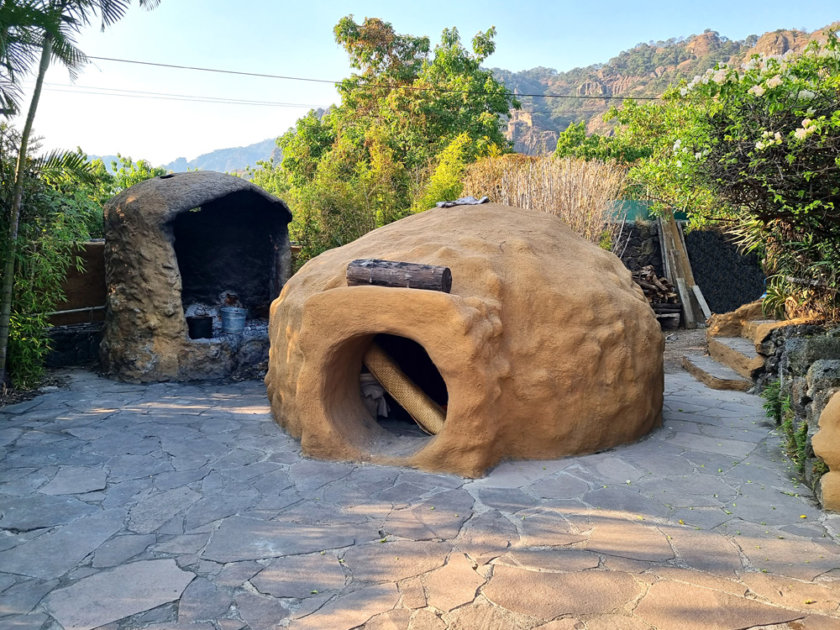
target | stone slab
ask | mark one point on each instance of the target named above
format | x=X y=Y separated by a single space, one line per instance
x=75 y=480
x=713 y=374
x=675 y=605
x=547 y=596
x=300 y=576
x=58 y=551
x=351 y=609
x=240 y=538
x=452 y=585
x=117 y=593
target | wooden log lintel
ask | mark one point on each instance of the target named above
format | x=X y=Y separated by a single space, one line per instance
x=393 y=273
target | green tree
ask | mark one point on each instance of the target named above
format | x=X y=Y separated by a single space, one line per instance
x=45 y=31
x=573 y=142
x=127 y=172
x=367 y=161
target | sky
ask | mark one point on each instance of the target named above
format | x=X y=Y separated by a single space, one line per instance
x=160 y=114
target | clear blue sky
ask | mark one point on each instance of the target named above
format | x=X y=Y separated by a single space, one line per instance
x=295 y=38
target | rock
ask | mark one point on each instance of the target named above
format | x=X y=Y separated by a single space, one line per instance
x=822 y=375
x=545 y=345
x=184 y=239
x=802 y=352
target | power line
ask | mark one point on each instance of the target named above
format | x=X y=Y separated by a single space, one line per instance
x=104 y=91
x=217 y=70
x=408 y=87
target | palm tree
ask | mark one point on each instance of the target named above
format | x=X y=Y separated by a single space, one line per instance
x=43 y=29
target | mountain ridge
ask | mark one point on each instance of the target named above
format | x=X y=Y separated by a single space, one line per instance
x=642 y=71
x=227 y=160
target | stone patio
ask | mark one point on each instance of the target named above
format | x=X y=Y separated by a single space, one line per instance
x=180 y=507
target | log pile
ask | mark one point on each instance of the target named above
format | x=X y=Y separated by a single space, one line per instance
x=661 y=295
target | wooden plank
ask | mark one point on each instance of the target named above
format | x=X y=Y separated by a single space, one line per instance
x=663 y=244
x=685 y=298
x=701 y=301
x=392 y=273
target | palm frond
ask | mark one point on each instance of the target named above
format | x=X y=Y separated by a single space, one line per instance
x=57 y=163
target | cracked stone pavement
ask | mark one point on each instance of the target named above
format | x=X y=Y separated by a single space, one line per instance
x=184 y=507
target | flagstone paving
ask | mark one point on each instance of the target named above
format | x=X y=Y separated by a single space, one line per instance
x=184 y=507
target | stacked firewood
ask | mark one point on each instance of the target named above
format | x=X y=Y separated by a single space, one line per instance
x=657 y=290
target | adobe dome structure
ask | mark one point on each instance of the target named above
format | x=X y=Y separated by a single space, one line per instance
x=544 y=347
x=175 y=246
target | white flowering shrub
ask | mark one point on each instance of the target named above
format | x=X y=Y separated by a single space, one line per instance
x=757 y=150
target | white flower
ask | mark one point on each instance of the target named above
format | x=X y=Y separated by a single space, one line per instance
x=774 y=81
x=679 y=164
x=683 y=91
x=759 y=145
x=810 y=111
x=777 y=137
x=807 y=122
x=698 y=155
x=719 y=77
x=677 y=145
x=806 y=95
x=801 y=134
x=756 y=90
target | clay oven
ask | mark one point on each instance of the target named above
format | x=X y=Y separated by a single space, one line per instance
x=185 y=244
x=544 y=347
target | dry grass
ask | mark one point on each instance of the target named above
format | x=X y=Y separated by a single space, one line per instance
x=579 y=192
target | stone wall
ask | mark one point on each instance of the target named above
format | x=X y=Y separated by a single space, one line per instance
x=806 y=361
x=727 y=278
x=642 y=246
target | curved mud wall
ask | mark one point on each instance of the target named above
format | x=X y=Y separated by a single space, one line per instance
x=546 y=345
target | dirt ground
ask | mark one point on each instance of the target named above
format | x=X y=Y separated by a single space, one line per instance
x=678 y=342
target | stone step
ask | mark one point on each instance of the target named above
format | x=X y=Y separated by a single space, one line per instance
x=757 y=330
x=737 y=353
x=713 y=374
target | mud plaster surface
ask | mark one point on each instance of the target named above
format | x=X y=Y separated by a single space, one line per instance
x=546 y=345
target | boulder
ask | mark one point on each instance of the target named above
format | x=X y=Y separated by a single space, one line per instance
x=545 y=344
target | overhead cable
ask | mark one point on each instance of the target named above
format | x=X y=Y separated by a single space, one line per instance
x=406 y=87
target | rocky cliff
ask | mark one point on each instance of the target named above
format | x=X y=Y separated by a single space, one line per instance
x=645 y=70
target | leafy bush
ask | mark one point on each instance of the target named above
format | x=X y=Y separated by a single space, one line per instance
x=755 y=149
x=58 y=211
